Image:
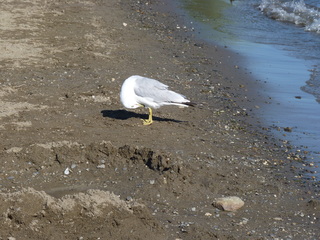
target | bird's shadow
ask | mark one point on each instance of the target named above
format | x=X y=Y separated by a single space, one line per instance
x=124 y=115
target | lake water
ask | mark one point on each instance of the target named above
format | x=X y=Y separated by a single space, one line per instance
x=280 y=42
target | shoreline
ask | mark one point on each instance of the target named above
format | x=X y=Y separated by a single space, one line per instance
x=282 y=107
x=256 y=100
x=63 y=113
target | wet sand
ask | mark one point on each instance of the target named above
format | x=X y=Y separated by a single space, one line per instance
x=77 y=165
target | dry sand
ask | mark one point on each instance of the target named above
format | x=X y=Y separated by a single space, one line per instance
x=76 y=165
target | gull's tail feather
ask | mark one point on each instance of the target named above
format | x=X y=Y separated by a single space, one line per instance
x=182 y=104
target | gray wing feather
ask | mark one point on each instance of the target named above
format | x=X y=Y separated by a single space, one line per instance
x=157 y=91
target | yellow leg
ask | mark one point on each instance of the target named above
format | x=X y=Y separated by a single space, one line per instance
x=149 y=120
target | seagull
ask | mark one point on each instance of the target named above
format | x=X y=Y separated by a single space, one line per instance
x=138 y=91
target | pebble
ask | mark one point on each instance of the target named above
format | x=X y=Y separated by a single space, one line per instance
x=244 y=221
x=67 y=171
x=287 y=129
x=101 y=166
x=314 y=203
x=228 y=203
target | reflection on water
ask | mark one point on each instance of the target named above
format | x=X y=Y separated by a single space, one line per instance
x=211 y=12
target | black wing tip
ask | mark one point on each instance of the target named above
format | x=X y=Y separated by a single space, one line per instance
x=190 y=104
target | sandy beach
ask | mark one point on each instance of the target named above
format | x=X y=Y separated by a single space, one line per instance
x=75 y=164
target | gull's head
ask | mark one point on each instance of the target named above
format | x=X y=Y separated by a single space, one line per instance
x=127 y=94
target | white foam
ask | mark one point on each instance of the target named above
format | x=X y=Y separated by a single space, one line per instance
x=296 y=12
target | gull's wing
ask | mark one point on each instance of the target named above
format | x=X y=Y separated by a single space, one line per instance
x=155 y=91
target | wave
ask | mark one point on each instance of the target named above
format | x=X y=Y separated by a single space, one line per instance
x=296 y=12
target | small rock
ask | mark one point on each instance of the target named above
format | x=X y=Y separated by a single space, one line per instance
x=228 y=203
x=152 y=182
x=314 y=204
x=67 y=171
x=165 y=180
x=101 y=166
x=244 y=221
x=287 y=129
